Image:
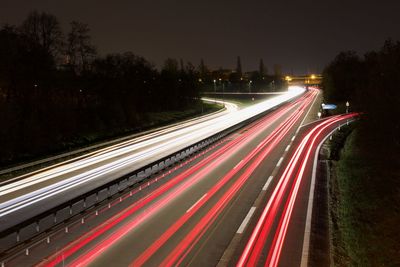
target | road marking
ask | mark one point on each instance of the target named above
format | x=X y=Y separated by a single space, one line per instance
x=267 y=183
x=287 y=148
x=312 y=104
x=293 y=138
x=196 y=203
x=246 y=220
x=307 y=230
x=279 y=162
x=237 y=164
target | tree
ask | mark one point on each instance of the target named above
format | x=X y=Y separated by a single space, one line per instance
x=80 y=50
x=277 y=70
x=262 y=70
x=203 y=69
x=44 y=29
x=239 y=67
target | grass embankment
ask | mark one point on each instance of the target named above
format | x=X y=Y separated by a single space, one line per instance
x=145 y=122
x=364 y=202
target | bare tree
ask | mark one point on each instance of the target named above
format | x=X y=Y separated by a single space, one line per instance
x=80 y=50
x=44 y=30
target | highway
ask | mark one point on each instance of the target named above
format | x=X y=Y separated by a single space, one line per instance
x=280 y=233
x=193 y=215
x=37 y=192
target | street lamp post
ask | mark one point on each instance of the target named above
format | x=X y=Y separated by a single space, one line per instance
x=347 y=106
x=215 y=86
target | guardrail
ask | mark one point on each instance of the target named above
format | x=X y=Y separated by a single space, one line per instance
x=26 y=231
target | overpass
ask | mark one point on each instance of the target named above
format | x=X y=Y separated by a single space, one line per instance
x=313 y=79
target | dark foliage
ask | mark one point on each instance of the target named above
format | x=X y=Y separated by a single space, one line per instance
x=369 y=165
x=371 y=85
x=56 y=93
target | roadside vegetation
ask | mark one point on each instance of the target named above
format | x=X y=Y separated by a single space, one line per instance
x=365 y=174
x=58 y=94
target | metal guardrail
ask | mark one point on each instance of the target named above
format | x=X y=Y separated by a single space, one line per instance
x=27 y=230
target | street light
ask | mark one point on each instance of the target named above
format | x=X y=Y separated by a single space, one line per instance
x=215 y=86
x=347 y=106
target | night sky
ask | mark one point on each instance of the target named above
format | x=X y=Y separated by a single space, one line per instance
x=302 y=36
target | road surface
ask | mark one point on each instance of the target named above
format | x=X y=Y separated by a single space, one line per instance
x=35 y=193
x=192 y=217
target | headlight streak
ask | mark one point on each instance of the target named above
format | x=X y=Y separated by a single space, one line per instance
x=158 y=146
x=185 y=245
x=236 y=144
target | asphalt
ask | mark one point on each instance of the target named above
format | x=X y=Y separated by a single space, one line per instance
x=222 y=228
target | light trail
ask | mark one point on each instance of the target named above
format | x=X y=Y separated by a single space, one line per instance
x=252 y=252
x=78 y=174
x=274 y=254
x=210 y=162
x=179 y=253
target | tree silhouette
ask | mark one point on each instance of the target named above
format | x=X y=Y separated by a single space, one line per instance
x=239 y=67
x=80 y=51
x=44 y=29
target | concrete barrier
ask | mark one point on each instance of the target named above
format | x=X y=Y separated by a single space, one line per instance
x=113 y=189
x=154 y=169
x=62 y=215
x=27 y=232
x=123 y=185
x=90 y=200
x=66 y=212
x=77 y=207
x=102 y=194
x=8 y=241
x=132 y=180
x=46 y=223
x=161 y=166
x=167 y=162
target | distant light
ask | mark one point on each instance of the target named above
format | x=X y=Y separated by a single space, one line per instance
x=313 y=77
x=215 y=81
x=200 y=80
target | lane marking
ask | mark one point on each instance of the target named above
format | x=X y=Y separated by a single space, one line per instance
x=312 y=104
x=287 y=148
x=279 y=162
x=267 y=183
x=237 y=164
x=294 y=136
x=307 y=229
x=246 y=220
x=196 y=203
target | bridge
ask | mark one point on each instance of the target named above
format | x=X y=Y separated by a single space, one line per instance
x=313 y=79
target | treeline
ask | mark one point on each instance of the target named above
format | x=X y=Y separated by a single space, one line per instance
x=55 y=89
x=372 y=85
x=368 y=171
x=57 y=93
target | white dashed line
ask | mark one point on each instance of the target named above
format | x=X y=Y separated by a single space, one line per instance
x=246 y=220
x=287 y=148
x=267 y=183
x=279 y=162
x=237 y=164
x=196 y=203
x=293 y=137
